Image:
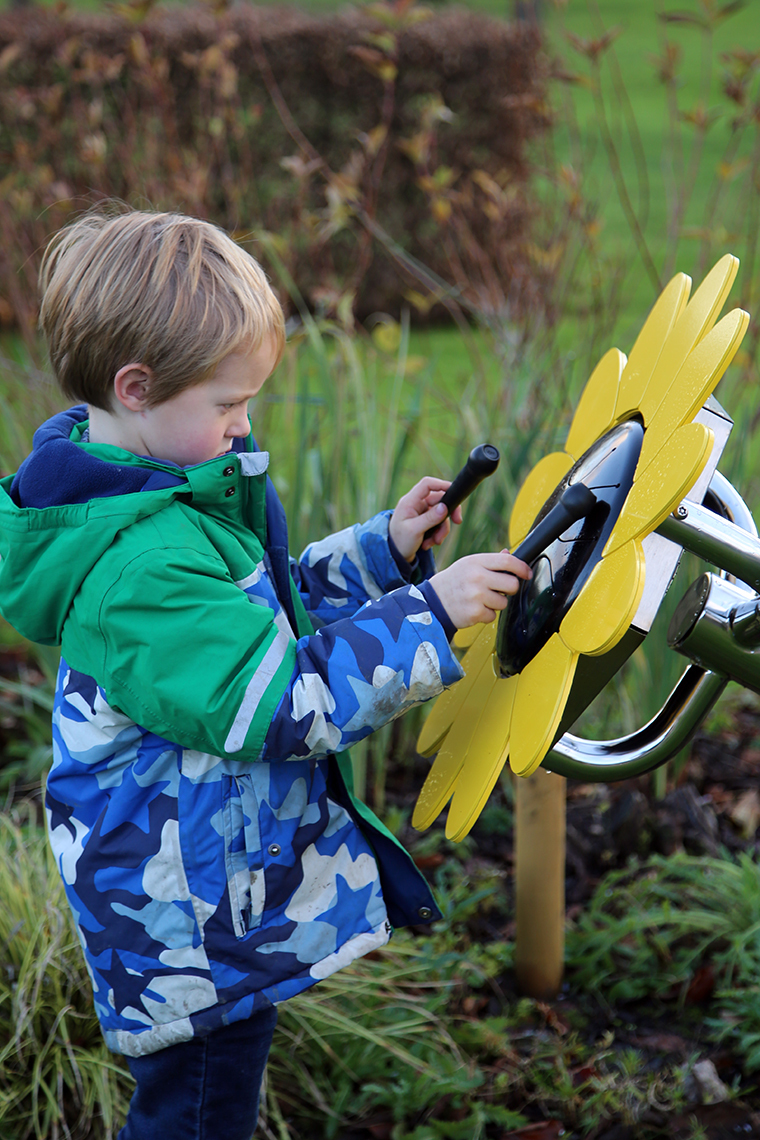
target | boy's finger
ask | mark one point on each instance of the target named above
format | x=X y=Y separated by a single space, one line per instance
x=433 y=516
x=438 y=535
x=429 y=484
x=434 y=497
x=513 y=565
x=505 y=585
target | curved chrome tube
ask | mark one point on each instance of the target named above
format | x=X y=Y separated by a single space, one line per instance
x=698 y=689
x=654 y=744
x=730 y=499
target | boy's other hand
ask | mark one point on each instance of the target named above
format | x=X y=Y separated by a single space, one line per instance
x=475 y=589
x=416 y=512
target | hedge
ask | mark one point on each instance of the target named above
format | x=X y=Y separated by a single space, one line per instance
x=389 y=119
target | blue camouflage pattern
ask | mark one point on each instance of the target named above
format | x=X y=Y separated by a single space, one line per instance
x=201 y=887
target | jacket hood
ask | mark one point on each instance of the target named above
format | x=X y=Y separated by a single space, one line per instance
x=62 y=510
x=60 y=472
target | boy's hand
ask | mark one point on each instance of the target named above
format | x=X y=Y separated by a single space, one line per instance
x=475 y=588
x=416 y=512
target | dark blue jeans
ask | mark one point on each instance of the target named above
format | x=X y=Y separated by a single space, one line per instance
x=202 y=1089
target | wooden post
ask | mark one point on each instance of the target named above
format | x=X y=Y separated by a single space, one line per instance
x=540 y=883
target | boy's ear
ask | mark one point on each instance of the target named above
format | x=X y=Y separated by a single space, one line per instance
x=131 y=385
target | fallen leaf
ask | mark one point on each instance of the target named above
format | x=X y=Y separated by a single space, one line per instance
x=541 y=1130
x=382 y=1131
x=750 y=757
x=745 y=813
x=554 y=1020
x=584 y=1073
x=701 y=985
x=662 y=1043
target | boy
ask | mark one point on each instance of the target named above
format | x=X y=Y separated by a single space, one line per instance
x=199 y=806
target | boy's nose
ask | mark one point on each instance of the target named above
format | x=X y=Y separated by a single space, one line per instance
x=238 y=428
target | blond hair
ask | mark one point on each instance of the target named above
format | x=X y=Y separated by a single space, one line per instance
x=174 y=293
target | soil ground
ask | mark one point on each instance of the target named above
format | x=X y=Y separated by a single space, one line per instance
x=714 y=808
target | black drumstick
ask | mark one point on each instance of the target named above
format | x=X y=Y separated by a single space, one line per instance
x=481 y=462
x=575 y=502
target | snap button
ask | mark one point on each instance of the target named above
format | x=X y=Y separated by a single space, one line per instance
x=274 y=849
x=229 y=492
x=228 y=471
x=425 y=912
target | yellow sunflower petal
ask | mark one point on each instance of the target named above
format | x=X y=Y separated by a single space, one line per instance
x=596 y=408
x=464 y=638
x=448 y=706
x=443 y=775
x=659 y=488
x=646 y=351
x=437 y=789
x=603 y=610
x=534 y=492
x=692 y=326
x=539 y=703
x=699 y=376
x=486 y=756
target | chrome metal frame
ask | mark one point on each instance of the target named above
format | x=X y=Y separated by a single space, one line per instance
x=730 y=543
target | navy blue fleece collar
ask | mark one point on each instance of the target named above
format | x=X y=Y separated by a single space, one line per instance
x=59 y=472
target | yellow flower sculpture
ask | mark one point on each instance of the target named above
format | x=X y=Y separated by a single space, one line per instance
x=676 y=362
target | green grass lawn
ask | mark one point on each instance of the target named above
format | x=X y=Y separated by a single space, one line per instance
x=701 y=69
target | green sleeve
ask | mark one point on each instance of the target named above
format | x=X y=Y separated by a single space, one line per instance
x=181 y=650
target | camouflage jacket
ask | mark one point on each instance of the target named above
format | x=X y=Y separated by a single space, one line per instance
x=200 y=807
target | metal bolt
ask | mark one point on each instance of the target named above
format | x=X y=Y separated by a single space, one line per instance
x=681 y=512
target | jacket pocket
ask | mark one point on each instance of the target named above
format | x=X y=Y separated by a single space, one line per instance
x=242 y=852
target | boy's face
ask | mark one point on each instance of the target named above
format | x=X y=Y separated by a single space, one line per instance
x=201 y=422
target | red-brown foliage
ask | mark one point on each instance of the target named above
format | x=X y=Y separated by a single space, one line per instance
x=314 y=129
